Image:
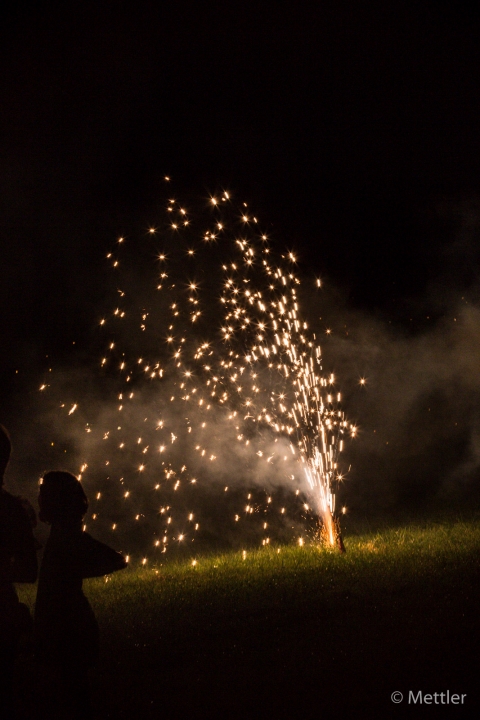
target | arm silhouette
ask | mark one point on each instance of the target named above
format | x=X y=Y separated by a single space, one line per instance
x=20 y=545
x=98 y=559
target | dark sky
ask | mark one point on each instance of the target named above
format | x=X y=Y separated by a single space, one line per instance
x=352 y=128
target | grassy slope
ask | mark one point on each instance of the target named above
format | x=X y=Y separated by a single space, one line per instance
x=295 y=632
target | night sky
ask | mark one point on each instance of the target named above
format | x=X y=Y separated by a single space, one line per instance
x=352 y=131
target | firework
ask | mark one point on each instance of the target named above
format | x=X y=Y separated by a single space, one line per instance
x=215 y=388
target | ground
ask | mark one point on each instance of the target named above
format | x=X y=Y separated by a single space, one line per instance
x=293 y=632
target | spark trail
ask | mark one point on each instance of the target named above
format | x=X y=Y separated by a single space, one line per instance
x=217 y=384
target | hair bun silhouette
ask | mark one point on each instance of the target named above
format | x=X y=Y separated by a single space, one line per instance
x=61 y=498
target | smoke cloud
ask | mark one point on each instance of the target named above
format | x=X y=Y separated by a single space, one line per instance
x=417 y=449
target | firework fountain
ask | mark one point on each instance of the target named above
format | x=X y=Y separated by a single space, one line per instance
x=215 y=376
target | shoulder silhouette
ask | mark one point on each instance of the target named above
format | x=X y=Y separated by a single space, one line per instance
x=18 y=564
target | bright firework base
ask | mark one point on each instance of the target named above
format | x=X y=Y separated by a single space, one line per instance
x=330 y=533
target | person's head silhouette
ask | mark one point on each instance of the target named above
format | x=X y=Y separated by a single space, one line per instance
x=62 y=499
x=5 y=450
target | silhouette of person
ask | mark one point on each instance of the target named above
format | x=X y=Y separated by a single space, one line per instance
x=66 y=630
x=18 y=564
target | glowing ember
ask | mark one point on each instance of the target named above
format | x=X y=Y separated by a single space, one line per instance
x=214 y=375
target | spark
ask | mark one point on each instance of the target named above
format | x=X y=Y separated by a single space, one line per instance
x=268 y=353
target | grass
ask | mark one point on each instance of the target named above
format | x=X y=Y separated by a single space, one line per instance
x=399 y=607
